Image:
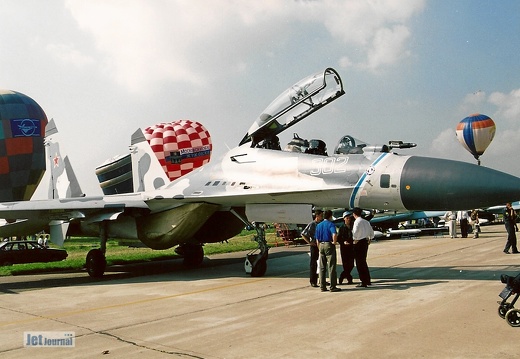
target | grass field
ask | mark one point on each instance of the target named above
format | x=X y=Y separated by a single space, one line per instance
x=77 y=249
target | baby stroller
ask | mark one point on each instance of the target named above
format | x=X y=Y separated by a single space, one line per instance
x=507 y=309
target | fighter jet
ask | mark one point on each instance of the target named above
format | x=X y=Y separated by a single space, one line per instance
x=258 y=182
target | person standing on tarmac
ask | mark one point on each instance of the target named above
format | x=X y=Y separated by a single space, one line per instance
x=475 y=223
x=509 y=222
x=327 y=238
x=308 y=235
x=462 y=217
x=346 y=248
x=451 y=219
x=362 y=233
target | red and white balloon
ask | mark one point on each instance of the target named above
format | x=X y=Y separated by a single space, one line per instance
x=181 y=146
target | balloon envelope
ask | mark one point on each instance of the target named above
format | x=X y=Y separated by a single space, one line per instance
x=181 y=146
x=475 y=133
x=22 y=151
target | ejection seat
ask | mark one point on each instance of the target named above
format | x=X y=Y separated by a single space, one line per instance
x=317 y=147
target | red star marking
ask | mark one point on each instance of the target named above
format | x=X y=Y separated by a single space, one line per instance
x=56 y=160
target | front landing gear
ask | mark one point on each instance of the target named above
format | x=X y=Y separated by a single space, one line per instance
x=256 y=263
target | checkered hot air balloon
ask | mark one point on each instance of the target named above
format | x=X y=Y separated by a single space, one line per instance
x=22 y=151
x=475 y=133
x=181 y=146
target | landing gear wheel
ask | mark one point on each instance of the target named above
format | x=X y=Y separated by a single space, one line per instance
x=513 y=317
x=503 y=309
x=259 y=268
x=96 y=263
x=256 y=264
x=193 y=255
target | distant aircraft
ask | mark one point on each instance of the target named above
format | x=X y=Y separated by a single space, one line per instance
x=412 y=232
x=258 y=182
x=500 y=208
x=391 y=221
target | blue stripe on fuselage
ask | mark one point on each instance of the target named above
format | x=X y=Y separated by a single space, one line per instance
x=362 y=179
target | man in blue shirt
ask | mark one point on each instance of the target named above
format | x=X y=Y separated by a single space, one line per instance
x=327 y=238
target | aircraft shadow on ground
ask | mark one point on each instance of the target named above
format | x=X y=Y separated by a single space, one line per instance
x=137 y=272
x=393 y=278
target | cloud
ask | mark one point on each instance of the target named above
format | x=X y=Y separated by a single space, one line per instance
x=446 y=145
x=388 y=47
x=508 y=105
x=472 y=101
x=69 y=55
x=146 y=43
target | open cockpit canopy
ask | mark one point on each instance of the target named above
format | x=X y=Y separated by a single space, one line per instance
x=294 y=104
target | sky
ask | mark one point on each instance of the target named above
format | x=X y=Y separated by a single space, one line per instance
x=411 y=69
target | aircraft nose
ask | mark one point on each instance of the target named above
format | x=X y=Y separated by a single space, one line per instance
x=437 y=184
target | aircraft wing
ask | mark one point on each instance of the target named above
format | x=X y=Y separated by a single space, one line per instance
x=69 y=208
x=29 y=217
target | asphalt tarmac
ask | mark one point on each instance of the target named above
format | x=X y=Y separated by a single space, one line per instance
x=432 y=297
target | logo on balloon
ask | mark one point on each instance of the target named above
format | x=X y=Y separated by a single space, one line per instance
x=25 y=128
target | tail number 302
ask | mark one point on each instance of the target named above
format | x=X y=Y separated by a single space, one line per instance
x=329 y=165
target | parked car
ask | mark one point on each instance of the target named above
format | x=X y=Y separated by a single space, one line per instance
x=15 y=252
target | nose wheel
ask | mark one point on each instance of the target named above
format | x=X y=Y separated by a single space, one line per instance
x=256 y=263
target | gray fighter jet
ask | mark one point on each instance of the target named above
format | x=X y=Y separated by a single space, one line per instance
x=259 y=182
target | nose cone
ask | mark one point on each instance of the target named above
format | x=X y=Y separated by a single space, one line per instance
x=436 y=184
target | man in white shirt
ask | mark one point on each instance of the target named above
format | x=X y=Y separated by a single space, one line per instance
x=362 y=233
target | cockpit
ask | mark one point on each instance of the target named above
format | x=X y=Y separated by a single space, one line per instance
x=293 y=105
x=298 y=102
x=346 y=145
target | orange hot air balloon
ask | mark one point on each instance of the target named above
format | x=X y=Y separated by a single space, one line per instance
x=22 y=151
x=181 y=146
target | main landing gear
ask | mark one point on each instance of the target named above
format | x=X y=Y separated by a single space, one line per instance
x=256 y=260
x=193 y=254
x=96 y=262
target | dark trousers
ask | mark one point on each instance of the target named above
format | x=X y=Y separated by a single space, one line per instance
x=511 y=237
x=360 y=254
x=313 y=265
x=464 y=228
x=347 y=258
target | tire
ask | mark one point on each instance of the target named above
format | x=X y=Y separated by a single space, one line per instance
x=193 y=255
x=96 y=263
x=513 y=317
x=503 y=309
x=259 y=268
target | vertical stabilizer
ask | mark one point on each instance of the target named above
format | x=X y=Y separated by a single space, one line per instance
x=63 y=182
x=147 y=172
